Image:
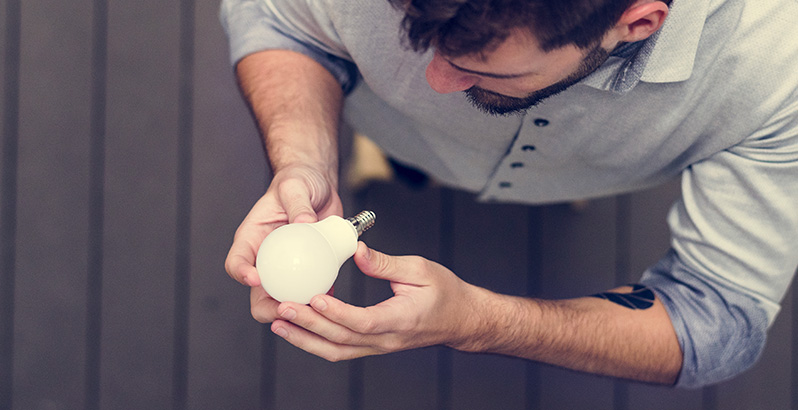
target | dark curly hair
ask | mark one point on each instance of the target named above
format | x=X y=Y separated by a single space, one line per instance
x=460 y=27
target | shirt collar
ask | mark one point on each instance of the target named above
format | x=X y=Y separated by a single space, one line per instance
x=667 y=56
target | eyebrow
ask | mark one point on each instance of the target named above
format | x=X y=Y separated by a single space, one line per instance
x=485 y=74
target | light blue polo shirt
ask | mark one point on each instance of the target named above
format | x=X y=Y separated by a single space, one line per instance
x=713 y=97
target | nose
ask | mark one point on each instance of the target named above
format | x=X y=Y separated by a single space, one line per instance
x=444 y=79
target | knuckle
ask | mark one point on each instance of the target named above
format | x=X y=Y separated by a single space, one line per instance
x=417 y=263
x=391 y=344
x=339 y=337
x=233 y=270
x=292 y=188
x=240 y=230
x=388 y=264
x=260 y=316
x=368 y=326
x=407 y=326
x=333 y=357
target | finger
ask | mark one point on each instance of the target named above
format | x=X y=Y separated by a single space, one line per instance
x=403 y=269
x=373 y=320
x=307 y=318
x=317 y=345
x=295 y=199
x=262 y=306
x=241 y=269
x=240 y=262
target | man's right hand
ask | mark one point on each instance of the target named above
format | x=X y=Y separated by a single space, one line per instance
x=296 y=194
x=297 y=104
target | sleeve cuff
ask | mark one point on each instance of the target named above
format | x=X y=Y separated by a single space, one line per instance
x=721 y=331
x=249 y=31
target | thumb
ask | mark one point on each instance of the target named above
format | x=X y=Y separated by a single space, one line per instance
x=392 y=268
x=295 y=200
x=299 y=210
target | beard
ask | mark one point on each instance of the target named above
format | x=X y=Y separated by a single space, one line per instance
x=499 y=104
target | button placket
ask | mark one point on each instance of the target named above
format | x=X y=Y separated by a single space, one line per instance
x=539 y=122
x=526 y=148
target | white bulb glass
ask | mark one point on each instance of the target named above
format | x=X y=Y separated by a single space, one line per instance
x=300 y=260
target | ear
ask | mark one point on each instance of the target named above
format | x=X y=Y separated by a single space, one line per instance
x=641 y=20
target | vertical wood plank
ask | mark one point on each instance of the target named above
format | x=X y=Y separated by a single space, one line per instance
x=183 y=188
x=305 y=381
x=10 y=25
x=407 y=224
x=54 y=125
x=649 y=241
x=96 y=203
x=9 y=142
x=489 y=251
x=140 y=202
x=228 y=176
x=578 y=259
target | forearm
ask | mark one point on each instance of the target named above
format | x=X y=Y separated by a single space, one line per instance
x=586 y=334
x=297 y=104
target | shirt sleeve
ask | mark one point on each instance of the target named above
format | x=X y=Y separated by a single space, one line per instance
x=296 y=25
x=734 y=251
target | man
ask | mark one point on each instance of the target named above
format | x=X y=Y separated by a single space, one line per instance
x=535 y=101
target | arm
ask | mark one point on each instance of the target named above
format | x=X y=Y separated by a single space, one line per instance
x=296 y=103
x=589 y=334
x=717 y=290
x=292 y=71
x=432 y=306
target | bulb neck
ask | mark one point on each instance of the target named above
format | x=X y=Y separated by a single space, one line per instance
x=362 y=221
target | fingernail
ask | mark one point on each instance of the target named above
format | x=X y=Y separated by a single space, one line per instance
x=319 y=304
x=289 y=314
x=281 y=332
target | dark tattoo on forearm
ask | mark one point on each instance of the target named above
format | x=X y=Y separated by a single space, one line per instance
x=640 y=297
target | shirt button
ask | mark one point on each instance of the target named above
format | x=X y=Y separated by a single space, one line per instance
x=517 y=165
x=505 y=185
x=528 y=148
x=540 y=122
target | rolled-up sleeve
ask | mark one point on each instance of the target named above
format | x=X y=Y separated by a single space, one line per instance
x=734 y=251
x=296 y=25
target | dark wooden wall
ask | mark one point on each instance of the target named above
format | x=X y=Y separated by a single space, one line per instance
x=127 y=161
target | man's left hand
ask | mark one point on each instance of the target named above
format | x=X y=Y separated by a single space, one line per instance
x=430 y=306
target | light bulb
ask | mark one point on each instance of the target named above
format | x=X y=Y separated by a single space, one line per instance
x=300 y=260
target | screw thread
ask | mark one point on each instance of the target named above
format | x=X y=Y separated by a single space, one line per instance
x=363 y=221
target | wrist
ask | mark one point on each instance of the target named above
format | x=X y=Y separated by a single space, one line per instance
x=496 y=323
x=317 y=173
x=319 y=154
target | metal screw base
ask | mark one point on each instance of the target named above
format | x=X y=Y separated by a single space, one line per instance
x=363 y=221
